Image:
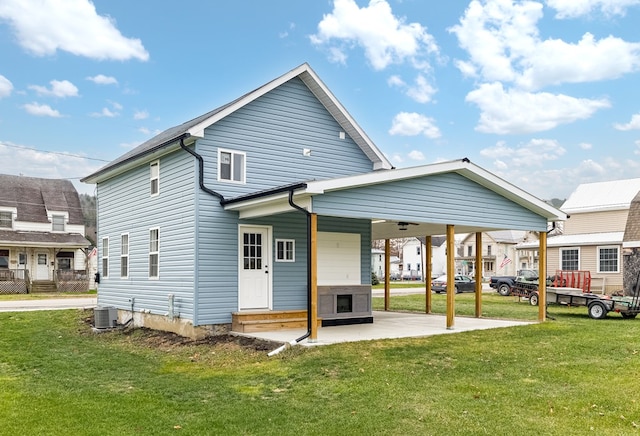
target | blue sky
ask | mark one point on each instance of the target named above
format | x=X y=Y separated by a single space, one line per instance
x=542 y=93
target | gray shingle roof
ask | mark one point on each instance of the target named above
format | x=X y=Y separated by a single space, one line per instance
x=32 y=197
x=632 y=230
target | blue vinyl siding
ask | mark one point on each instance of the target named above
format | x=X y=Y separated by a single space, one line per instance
x=126 y=206
x=273 y=130
x=441 y=198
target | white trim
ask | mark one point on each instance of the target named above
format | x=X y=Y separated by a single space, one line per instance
x=124 y=255
x=233 y=153
x=155 y=163
x=601 y=247
x=149 y=276
x=13 y=211
x=267 y=256
x=285 y=251
x=103 y=257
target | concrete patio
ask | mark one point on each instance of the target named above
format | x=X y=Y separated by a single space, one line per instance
x=388 y=325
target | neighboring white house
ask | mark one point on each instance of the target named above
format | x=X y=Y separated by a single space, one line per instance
x=377 y=264
x=42 y=243
x=592 y=237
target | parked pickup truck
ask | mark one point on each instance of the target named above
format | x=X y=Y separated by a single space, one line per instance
x=504 y=284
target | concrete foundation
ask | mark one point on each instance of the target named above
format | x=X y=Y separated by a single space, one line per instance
x=178 y=326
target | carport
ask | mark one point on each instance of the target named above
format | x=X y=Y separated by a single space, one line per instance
x=438 y=199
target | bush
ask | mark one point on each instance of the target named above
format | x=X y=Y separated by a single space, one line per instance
x=374 y=279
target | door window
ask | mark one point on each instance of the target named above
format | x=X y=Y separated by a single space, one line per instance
x=252 y=251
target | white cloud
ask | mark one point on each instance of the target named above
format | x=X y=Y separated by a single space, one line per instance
x=101 y=79
x=577 y=8
x=416 y=155
x=413 y=124
x=513 y=111
x=637 y=150
x=59 y=88
x=104 y=113
x=141 y=115
x=535 y=153
x=396 y=80
x=585 y=146
x=503 y=42
x=41 y=110
x=385 y=38
x=5 y=87
x=18 y=159
x=634 y=124
x=74 y=26
x=421 y=91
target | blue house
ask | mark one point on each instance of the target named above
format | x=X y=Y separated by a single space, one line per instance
x=267 y=206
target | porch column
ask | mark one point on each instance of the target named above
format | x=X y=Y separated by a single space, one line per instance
x=451 y=284
x=313 y=268
x=478 y=274
x=427 y=273
x=387 y=273
x=542 y=278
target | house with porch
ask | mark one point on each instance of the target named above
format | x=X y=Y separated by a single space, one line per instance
x=265 y=208
x=42 y=243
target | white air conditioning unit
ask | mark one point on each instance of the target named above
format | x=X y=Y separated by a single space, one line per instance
x=105 y=317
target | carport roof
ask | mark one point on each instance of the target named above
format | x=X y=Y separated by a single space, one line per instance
x=276 y=200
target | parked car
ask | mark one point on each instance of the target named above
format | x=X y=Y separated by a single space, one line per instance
x=462 y=284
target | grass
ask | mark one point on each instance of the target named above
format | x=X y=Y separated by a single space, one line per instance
x=569 y=376
x=43 y=296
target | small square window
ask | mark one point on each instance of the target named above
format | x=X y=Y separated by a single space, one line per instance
x=231 y=166
x=285 y=250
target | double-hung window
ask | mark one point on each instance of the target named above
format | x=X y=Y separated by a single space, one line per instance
x=231 y=166
x=608 y=259
x=6 y=220
x=57 y=223
x=154 y=253
x=105 y=257
x=569 y=259
x=124 y=255
x=154 y=178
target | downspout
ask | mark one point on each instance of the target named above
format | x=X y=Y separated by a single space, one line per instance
x=308 y=333
x=200 y=169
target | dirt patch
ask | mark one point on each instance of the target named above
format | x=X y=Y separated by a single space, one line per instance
x=161 y=339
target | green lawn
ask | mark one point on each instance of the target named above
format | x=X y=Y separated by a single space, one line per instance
x=569 y=376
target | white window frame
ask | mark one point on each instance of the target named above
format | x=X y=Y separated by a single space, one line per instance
x=105 y=257
x=10 y=226
x=124 y=255
x=58 y=217
x=154 y=178
x=286 y=251
x=154 y=251
x=601 y=247
x=563 y=249
x=233 y=153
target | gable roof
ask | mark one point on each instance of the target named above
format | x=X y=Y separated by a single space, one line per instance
x=33 y=197
x=602 y=196
x=168 y=140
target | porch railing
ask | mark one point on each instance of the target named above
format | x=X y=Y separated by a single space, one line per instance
x=70 y=280
x=14 y=281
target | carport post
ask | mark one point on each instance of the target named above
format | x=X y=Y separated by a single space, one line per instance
x=387 y=273
x=451 y=284
x=542 y=278
x=314 y=276
x=427 y=273
x=478 y=274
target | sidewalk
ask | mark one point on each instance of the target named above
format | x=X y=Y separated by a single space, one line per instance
x=48 y=304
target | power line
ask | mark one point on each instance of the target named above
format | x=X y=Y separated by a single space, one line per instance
x=54 y=152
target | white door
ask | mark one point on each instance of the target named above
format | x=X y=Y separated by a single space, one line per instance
x=42 y=267
x=254 y=278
